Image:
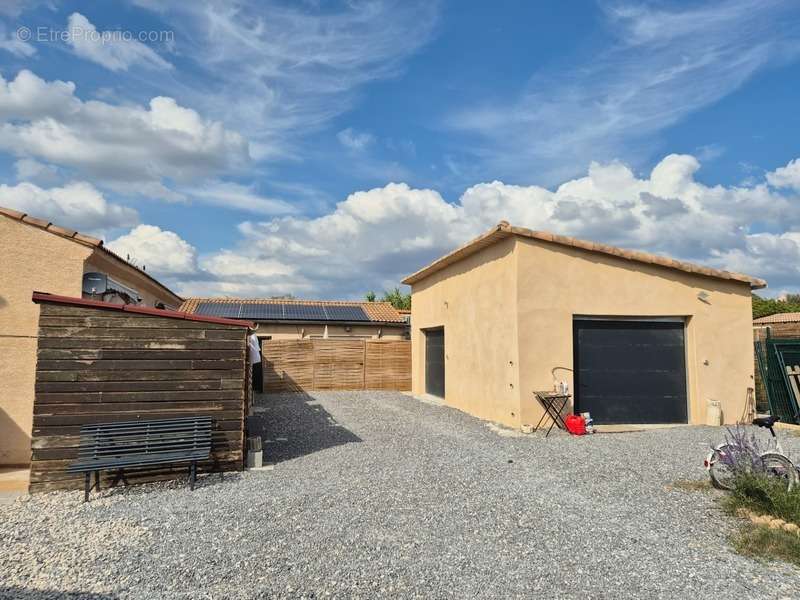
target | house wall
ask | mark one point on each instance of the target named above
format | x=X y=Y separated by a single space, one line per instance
x=280 y=331
x=557 y=282
x=475 y=300
x=151 y=293
x=30 y=259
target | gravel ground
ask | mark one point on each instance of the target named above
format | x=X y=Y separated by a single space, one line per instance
x=378 y=494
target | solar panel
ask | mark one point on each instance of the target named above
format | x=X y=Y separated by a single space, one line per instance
x=346 y=313
x=228 y=310
x=262 y=311
x=304 y=312
x=281 y=311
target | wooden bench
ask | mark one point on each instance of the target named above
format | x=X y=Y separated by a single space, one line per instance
x=130 y=444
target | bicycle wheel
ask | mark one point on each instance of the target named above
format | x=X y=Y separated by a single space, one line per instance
x=778 y=466
x=720 y=468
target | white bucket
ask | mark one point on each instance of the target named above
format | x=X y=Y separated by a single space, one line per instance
x=714 y=413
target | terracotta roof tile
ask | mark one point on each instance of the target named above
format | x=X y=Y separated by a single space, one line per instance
x=791 y=317
x=503 y=230
x=382 y=312
x=34 y=221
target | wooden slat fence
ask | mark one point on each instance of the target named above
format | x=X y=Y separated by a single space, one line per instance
x=320 y=364
x=97 y=365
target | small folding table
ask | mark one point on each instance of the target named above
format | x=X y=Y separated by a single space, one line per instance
x=553 y=404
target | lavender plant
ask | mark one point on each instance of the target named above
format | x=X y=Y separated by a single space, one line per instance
x=743 y=451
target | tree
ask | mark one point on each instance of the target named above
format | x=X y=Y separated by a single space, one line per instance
x=763 y=307
x=394 y=297
x=398 y=299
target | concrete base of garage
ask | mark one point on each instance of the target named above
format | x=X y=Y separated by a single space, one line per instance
x=637 y=427
x=13 y=483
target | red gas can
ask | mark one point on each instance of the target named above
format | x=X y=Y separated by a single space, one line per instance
x=576 y=424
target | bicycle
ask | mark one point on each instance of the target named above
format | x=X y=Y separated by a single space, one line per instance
x=724 y=461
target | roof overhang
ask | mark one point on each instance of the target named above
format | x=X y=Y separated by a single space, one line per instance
x=503 y=230
x=139 y=310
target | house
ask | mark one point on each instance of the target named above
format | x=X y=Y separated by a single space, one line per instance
x=640 y=338
x=289 y=319
x=38 y=255
x=780 y=324
x=285 y=320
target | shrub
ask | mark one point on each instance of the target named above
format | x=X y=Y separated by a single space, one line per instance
x=743 y=455
x=765 y=496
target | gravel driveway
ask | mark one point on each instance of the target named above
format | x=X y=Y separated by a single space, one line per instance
x=378 y=494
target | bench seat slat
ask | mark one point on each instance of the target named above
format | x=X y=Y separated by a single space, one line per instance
x=135 y=460
x=176 y=420
x=138 y=430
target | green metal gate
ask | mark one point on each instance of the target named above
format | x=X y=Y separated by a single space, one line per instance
x=774 y=355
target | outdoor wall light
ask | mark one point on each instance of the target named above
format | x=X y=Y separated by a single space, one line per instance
x=703 y=296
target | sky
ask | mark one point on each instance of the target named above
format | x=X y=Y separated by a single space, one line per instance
x=325 y=149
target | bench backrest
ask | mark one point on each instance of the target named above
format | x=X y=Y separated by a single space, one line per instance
x=105 y=440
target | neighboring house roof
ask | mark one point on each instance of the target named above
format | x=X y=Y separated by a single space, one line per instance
x=140 y=310
x=375 y=312
x=789 y=317
x=79 y=238
x=503 y=230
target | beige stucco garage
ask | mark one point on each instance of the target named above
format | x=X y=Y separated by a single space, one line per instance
x=645 y=338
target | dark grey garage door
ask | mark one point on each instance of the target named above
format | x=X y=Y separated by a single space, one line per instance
x=630 y=371
x=434 y=362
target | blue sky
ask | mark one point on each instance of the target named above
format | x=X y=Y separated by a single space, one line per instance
x=323 y=149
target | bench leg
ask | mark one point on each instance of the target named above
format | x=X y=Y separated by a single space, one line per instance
x=97 y=480
x=192 y=474
x=86 y=488
x=120 y=476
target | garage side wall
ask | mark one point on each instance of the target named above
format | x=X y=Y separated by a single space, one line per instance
x=558 y=282
x=475 y=301
x=98 y=366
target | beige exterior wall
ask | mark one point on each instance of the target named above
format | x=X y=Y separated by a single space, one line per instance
x=557 y=282
x=151 y=293
x=30 y=259
x=514 y=302
x=280 y=331
x=481 y=353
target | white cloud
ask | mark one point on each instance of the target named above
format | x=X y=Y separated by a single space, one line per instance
x=786 y=177
x=374 y=238
x=612 y=103
x=28 y=169
x=30 y=98
x=10 y=42
x=77 y=205
x=279 y=70
x=240 y=197
x=162 y=252
x=355 y=140
x=108 y=48
x=773 y=256
x=114 y=143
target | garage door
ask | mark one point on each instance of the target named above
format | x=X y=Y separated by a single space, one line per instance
x=434 y=362
x=630 y=371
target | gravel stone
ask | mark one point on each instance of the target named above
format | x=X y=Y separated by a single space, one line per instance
x=378 y=494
